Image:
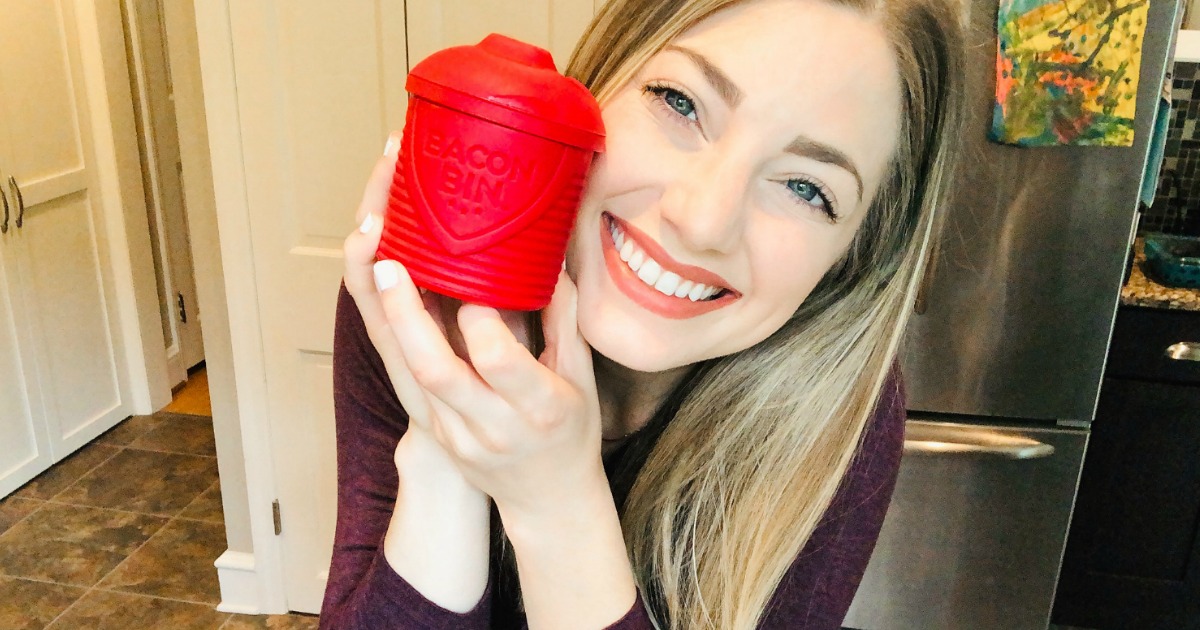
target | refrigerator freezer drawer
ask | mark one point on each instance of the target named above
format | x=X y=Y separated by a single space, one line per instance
x=975 y=533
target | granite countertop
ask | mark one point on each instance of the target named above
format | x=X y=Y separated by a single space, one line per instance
x=1142 y=291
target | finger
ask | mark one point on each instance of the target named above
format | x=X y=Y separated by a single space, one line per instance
x=360 y=247
x=503 y=362
x=359 y=257
x=567 y=353
x=358 y=253
x=411 y=396
x=379 y=184
x=431 y=360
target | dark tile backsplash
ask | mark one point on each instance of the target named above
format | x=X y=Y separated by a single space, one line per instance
x=1176 y=208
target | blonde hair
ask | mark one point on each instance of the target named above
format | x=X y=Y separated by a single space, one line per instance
x=743 y=460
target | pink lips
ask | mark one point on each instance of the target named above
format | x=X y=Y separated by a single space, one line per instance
x=646 y=296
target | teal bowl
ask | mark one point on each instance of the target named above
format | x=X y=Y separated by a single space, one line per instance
x=1173 y=260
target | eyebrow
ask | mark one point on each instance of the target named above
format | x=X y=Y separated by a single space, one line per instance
x=802 y=146
x=725 y=87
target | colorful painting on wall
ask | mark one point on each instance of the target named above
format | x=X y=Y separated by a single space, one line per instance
x=1067 y=71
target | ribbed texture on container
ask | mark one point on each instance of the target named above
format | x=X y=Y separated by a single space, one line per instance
x=517 y=272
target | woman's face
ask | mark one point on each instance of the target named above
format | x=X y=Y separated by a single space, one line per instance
x=739 y=163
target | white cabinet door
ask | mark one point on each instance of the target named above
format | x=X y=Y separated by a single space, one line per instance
x=64 y=286
x=26 y=449
x=552 y=24
x=319 y=86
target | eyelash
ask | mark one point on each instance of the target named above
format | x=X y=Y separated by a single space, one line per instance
x=658 y=91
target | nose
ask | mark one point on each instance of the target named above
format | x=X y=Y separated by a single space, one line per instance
x=706 y=204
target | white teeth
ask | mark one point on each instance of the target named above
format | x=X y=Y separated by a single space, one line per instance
x=627 y=251
x=667 y=283
x=635 y=263
x=651 y=272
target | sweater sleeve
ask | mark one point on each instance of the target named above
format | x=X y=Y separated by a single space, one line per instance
x=363 y=591
x=817 y=590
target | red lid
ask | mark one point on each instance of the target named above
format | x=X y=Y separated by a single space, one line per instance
x=513 y=84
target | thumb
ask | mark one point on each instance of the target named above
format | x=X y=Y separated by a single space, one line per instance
x=566 y=351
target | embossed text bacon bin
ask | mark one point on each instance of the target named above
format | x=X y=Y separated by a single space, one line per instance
x=496 y=149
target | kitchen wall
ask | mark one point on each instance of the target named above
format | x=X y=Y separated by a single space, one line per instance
x=1176 y=207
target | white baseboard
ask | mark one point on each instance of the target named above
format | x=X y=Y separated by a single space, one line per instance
x=239 y=583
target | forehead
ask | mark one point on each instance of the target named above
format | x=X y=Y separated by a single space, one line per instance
x=808 y=66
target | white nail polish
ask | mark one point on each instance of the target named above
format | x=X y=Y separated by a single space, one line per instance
x=386 y=275
x=367 y=224
x=391 y=143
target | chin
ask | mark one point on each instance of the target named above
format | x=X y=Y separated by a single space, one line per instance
x=624 y=343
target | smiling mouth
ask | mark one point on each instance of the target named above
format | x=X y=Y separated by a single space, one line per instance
x=651 y=271
x=648 y=275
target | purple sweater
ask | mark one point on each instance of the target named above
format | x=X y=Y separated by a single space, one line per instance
x=363 y=592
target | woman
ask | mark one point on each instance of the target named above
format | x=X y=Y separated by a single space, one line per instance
x=712 y=433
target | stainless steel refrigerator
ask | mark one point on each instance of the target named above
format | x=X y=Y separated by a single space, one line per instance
x=1003 y=362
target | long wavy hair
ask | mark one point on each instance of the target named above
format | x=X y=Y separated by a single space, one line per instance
x=721 y=491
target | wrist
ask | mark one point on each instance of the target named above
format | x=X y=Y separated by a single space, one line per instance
x=425 y=467
x=439 y=532
x=589 y=503
x=572 y=561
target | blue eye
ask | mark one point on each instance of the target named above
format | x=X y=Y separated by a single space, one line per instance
x=680 y=103
x=677 y=102
x=811 y=194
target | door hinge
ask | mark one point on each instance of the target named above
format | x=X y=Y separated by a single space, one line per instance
x=275 y=515
x=182 y=309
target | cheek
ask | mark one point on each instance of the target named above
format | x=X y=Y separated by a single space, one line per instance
x=789 y=259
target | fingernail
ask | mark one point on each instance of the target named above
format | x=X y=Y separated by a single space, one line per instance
x=368 y=223
x=392 y=141
x=386 y=275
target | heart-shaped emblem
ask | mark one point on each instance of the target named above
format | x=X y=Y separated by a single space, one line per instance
x=477 y=183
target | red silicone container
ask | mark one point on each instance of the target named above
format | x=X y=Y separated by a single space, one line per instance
x=495 y=151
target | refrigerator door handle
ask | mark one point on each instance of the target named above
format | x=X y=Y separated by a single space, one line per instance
x=939 y=438
x=1183 y=351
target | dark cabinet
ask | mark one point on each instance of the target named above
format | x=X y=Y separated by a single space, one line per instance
x=1133 y=553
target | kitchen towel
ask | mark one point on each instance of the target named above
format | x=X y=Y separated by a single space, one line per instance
x=1158 y=145
x=1067 y=71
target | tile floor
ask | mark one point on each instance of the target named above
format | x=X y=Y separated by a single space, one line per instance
x=122 y=534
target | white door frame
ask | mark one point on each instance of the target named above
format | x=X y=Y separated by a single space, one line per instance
x=119 y=186
x=164 y=187
x=250 y=582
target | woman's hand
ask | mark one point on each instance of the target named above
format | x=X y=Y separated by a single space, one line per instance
x=417 y=449
x=524 y=430
x=439 y=532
